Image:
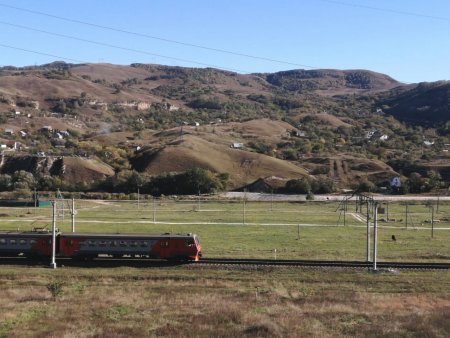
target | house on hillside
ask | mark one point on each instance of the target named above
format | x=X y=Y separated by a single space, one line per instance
x=298 y=133
x=47 y=129
x=375 y=134
x=9 y=131
x=237 y=145
x=10 y=145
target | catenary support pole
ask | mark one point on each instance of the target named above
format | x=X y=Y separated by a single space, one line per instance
x=406 y=215
x=432 y=221
x=375 y=236
x=368 y=233
x=73 y=215
x=154 y=210
x=53 y=262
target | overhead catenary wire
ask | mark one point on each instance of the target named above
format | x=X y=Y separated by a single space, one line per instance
x=58 y=57
x=147 y=36
x=387 y=10
x=120 y=47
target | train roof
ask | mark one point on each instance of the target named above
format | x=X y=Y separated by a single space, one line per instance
x=26 y=233
x=126 y=235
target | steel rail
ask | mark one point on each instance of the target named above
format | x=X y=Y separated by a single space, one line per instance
x=324 y=263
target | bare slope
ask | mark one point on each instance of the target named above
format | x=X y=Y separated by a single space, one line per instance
x=72 y=169
x=347 y=170
x=243 y=166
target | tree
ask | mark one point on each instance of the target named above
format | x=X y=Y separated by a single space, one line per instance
x=434 y=180
x=298 y=186
x=415 y=183
x=5 y=182
x=23 y=180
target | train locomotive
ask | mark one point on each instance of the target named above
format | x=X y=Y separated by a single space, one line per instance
x=38 y=243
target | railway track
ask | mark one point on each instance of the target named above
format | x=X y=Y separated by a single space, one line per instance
x=320 y=263
x=103 y=262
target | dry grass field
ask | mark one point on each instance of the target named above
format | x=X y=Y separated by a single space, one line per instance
x=190 y=301
x=141 y=299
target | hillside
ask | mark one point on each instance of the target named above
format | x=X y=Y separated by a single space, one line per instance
x=73 y=170
x=243 y=166
x=331 y=81
x=426 y=104
x=344 y=124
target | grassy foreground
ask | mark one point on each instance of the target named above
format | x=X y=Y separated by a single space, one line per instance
x=261 y=230
x=188 y=301
x=207 y=302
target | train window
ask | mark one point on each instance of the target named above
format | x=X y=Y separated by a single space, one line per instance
x=23 y=241
x=164 y=244
x=144 y=244
x=12 y=241
x=134 y=243
x=32 y=241
x=69 y=242
x=91 y=243
x=2 y=241
x=113 y=243
x=123 y=243
x=189 y=242
x=102 y=243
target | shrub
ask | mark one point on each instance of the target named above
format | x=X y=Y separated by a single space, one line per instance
x=55 y=288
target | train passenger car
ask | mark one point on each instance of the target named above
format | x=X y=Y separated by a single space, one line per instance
x=26 y=243
x=167 y=246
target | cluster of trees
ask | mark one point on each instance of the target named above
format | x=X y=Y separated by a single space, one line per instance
x=321 y=185
x=193 y=181
x=22 y=183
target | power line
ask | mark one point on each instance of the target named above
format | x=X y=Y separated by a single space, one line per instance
x=41 y=53
x=147 y=36
x=393 y=11
x=58 y=57
x=119 y=47
x=134 y=70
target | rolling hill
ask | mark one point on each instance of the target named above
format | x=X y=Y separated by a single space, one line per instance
x=158 y=119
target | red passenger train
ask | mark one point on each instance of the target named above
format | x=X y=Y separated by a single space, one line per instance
x=91 y=245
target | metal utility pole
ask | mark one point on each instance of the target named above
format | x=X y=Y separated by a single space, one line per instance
x=345 y=211
x=432 y=221
x=368 y=234
x=243 y=207
x=154 y=210
x=387 y=211
x=406 y=215
x=53 y=262
x=73 y=214
x=138 y=198
x=271 y=200
x=35 y=201
x=375 y=236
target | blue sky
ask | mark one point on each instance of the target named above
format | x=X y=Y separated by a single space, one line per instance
x=408 y=40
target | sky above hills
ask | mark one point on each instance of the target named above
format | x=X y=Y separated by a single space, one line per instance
x=407 y=40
